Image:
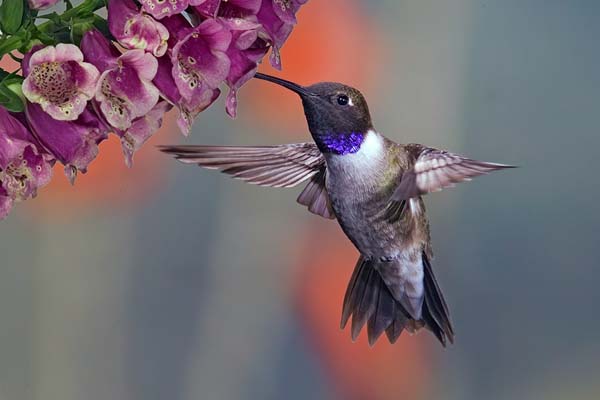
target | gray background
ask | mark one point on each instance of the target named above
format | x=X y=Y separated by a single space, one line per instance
x=186 y=294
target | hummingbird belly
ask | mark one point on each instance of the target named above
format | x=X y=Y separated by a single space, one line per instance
x=360 y=199
x=366 y=221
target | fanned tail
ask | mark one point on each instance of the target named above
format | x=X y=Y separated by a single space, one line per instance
x=369 y=301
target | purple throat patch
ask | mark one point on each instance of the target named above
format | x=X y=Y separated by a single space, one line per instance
x=342 y=143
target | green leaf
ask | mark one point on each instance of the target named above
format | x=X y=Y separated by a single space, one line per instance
x=11 y=15
x=9 y=44
x=9 y=95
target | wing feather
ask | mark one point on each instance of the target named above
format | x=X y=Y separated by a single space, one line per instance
x=314 y=196
x=275 y=166
x=434 y=170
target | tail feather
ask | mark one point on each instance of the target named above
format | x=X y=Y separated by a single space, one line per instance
x=368 y=300
x=399 y=321
x=350 y=292
x=365 y=303
x=435 y=309
x=383 y=315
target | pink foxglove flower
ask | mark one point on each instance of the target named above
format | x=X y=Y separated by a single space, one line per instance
x=199 y=60
x=188 y=109
x=286 y=9
x=124 y=90
x=239 y=8
x=41 y=4
x=278 y=18
x=59 y=81
x=178 y=27
x=98 y=50
x=135 y=29
x=141 y=130
x=245 y=51
x=164 y=8
x=207 y=8
x=23 y=166
x=189 y=78
x=73 y=143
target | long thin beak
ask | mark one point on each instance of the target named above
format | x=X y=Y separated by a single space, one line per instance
x=287 y=84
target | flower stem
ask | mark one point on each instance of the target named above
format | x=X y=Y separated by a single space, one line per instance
x=86 y=8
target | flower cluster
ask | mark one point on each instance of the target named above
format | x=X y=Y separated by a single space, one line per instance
x=83 y=77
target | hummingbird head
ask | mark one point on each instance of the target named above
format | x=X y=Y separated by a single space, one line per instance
x=338 y=115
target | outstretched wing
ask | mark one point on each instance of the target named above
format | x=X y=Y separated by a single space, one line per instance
x=275 y=166
x=434 y=170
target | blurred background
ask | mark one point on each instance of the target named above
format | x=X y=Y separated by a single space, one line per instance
x=171 y=282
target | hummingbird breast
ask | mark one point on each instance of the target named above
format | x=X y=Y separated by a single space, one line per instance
x=360 y=186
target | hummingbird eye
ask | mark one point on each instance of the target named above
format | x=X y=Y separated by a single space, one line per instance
x=343 y=100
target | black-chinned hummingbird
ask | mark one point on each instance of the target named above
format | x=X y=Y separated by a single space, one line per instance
x=373 y=187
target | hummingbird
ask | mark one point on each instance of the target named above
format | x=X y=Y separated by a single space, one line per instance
x=373 y=187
